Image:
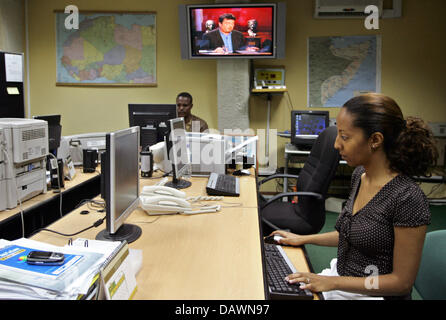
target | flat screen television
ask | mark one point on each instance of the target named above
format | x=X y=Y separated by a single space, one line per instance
x=306 y=125
x=246 y=30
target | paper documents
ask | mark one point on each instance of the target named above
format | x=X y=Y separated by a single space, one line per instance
x=18 y=280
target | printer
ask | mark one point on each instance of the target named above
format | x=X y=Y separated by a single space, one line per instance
x=24 y=146
x=74 y=145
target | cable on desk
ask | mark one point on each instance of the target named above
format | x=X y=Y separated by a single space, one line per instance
x=58 y=183
x=95 y=204
x=94 y=225
x=16 y=188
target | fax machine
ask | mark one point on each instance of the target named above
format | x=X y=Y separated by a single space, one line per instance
x=23 y=150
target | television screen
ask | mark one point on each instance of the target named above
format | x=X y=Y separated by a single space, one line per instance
x=243 y=30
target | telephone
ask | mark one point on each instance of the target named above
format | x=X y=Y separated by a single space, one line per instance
x=157 y=200
x=162 y=191
x=155 y=205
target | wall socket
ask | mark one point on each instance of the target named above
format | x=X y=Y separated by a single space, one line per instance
x=441 y=146
x=438 y=128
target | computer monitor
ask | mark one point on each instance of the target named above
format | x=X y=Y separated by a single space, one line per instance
x=152 y=119
x=177 y=152
x=306 y=125
x=54 y=131
x=120 y=171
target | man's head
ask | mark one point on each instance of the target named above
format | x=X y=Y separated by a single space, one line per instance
x=252 y=25
x=226 y=22
x=184 y=104
x=210 y=25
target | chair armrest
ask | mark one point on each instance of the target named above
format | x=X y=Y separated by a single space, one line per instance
x=277 y=176
x=318 y=196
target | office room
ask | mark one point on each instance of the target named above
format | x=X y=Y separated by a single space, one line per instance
x=226 y=242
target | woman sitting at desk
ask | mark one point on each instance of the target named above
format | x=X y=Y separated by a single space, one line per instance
x=380 y=231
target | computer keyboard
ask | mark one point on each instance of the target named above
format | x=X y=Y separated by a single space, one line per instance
x=278 y=266
x=223 y=185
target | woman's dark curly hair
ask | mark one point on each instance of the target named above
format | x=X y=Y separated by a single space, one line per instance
x=409 y=144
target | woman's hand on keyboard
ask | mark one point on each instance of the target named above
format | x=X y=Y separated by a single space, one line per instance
x=312 y=282
x=289 y=238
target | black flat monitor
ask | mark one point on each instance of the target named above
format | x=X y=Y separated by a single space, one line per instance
x=152 y=119
x=177 y=152
x=120 y=171
x=306 y=125
x=54 y=131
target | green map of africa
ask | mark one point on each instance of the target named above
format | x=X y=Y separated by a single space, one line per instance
x=107 y=48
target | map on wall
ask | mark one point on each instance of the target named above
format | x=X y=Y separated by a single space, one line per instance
x=107 y=49
x=340 y=68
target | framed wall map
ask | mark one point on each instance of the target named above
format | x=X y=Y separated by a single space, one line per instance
x=108 y=49
x=341 y=67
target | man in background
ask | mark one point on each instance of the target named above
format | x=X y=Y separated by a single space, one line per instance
x=184 y=107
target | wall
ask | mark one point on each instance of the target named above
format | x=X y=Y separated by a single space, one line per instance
x=12 y=25
x=87 y=109
x=413 y=68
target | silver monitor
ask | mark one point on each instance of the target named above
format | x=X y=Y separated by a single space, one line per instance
x=177 y=153
x=121 y=189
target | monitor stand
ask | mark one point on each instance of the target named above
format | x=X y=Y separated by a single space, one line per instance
x=128 y=232
x=178 y=184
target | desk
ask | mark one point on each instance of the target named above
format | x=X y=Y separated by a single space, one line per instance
x=215 y=256
x=44 y=209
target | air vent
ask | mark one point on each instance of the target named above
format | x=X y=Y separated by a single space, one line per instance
x=33 y=134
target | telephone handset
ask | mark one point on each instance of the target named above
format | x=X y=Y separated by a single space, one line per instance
x=156 y=200
x=162 y=191
x=163 y=204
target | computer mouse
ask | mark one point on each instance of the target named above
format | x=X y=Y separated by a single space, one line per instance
x=272 y=239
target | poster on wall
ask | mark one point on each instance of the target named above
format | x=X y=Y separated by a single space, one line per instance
x=108 y=49
x=340 y=68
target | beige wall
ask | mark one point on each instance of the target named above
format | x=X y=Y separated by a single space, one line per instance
x=86 y=109
x=413 y=66
x=12 y=25
x=413 y=61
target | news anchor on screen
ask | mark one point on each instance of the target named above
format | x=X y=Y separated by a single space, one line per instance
x=224 y=39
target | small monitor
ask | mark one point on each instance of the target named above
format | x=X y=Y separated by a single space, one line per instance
x=152 y=119
x=120 y=171
x=54 y=131
x=306 y=125
x=177 y=153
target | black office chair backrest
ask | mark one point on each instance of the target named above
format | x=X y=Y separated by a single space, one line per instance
x=317 y=173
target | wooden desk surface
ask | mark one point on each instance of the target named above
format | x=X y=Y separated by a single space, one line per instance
x=189 y=257
x=79 y=178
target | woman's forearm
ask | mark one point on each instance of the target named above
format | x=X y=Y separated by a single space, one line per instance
x=329 y=239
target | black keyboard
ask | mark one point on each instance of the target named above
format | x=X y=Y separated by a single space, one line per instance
x=278 y=267
x=223 y=185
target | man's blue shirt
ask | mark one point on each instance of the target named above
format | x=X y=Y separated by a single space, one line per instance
x=227 y=39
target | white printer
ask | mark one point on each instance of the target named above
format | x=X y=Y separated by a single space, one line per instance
x=23 y=169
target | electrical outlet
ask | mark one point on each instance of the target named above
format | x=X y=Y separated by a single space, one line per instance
x=438 y=128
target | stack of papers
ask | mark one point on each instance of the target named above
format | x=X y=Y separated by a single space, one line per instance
x=19 y=280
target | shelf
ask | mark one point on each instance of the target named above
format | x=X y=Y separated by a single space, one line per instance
x=269 y=90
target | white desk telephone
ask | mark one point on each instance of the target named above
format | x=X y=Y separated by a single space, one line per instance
x=156 y=200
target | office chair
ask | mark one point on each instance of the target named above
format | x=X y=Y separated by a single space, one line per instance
x=307 y=216
x=431 y=282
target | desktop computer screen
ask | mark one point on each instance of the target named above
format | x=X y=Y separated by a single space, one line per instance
x=120 y=172
x=152 y=119
x=306 y=125
x=178 y=154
